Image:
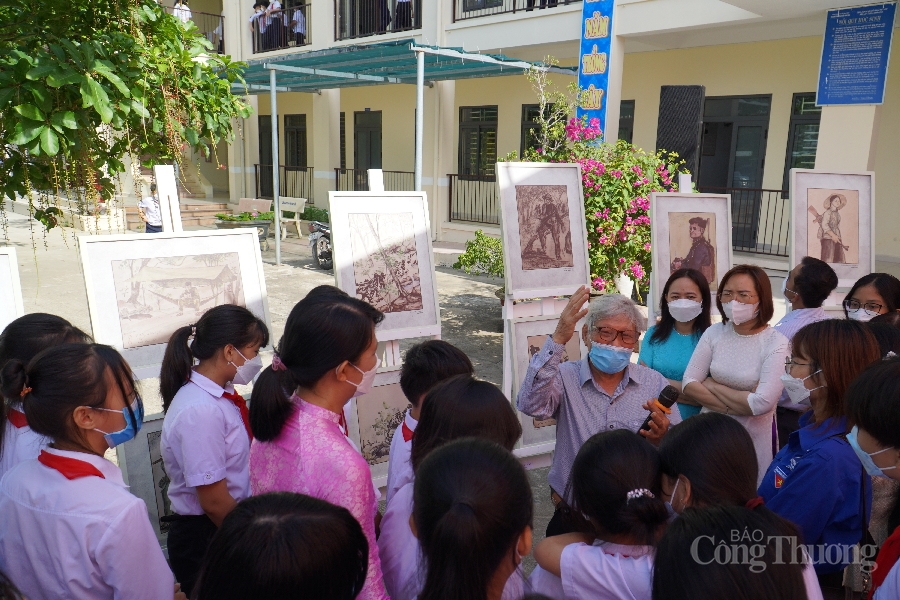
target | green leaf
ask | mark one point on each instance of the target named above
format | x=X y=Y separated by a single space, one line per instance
x=29 y=111
x=64 y=119
x=191 y=136
x=114 y=79
x=40 y=72
x=6 y=95
x=41 y=96
x=74 y=52
x=139 y=109
x=63 y=77
x=25 y=131
x=100 y=100
x=49 y=141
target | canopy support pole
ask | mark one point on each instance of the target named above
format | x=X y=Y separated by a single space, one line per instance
x=420 y=116
x=273 y=93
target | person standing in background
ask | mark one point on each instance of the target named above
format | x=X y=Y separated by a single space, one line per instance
x=181 y=11
x=150 y=213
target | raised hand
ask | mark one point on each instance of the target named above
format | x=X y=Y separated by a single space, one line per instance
x=574 y=311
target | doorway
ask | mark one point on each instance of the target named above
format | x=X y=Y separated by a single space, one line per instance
x=366 y=146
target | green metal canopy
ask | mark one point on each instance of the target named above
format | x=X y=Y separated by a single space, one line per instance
x=374 y=64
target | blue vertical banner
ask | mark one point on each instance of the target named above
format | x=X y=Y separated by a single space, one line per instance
x=593 y=66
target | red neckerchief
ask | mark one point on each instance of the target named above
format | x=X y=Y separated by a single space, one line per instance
x=17 y=418
x=71 y=468
x=886 y=559
x=241 y=405
x=407 y=432
x=345 y=427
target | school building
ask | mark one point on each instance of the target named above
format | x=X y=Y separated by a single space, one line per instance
x=757 y=59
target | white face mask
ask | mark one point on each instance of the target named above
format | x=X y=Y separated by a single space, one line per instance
x=795 y=389
x=861 y=315
x=247 y=371
x=364 y=386
x=785 y=290
x=684 y=310
x=738 y=312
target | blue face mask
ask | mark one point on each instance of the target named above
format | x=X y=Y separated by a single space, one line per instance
x=132 y=424
x=866 y=458
x=609 y=359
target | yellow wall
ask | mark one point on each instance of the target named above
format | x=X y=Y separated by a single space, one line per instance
x=289 y=103
x=397 y=104
x=887 y=174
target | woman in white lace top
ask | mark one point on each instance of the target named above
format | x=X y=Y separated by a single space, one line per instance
x=736 y=368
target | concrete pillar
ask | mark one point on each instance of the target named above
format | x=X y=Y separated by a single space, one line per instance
x=326 y=142
x=444 y=150
x=237 y=29
x=615 y=68
x=243 y=153
x=848 y=137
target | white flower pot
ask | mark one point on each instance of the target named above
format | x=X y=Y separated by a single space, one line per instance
x=624 y=285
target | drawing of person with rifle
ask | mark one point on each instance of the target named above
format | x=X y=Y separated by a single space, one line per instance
x=829 y=233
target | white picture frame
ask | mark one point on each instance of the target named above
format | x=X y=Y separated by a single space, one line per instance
x=138 y=284
x=169 y=202
x=364 y=226
x=810 y=192
x=11 y=305
x=672 y=210
x=526 y=192
x=537 y=437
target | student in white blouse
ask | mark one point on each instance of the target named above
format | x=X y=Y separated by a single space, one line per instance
x=70 y=527
x=737 y=366
x=22 y=340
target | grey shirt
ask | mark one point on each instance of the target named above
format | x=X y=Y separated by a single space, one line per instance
x=567 y=392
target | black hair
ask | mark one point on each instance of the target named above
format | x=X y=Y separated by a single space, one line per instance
x=814 y=281
x=609 y=466
x=887 y=285
x=889 y=318
x=888 y=336
x=62 y=378
x=8 y=590
x=282 y=546
x=715 y=453
x=24 y=338
x=463 y=406
x=217 y=328
x=873 y=401
x=152 y=187
x=690 y=561
x=666 y=324
x=471 y=502
x=428 y=363
x=321 y=332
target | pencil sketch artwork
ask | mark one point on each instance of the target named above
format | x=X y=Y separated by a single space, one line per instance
x=544 y=228
x=834 y=216
x=380 y=413
x=385 y=261
x=160 y=479
x=156 y=296
x=692 y=243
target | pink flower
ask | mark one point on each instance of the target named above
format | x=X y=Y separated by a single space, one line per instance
x=616 y=174
x=599 y=230
x=647 y=246
x=598 y=214
x=621 y=260
x=603 y=240
x=599 y=284
x=638 y=271
x=637 y=170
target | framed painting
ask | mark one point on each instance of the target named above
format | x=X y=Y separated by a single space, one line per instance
x=543 y=229
x=11 y=306
x=689 y=231
x=527 y=336
x=832 y=220
x=140 y=289
x=383 y=255
x=373 y=419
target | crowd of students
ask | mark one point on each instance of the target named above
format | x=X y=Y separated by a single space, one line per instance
x=274 y=501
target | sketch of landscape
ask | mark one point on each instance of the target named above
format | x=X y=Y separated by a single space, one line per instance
x=385 y=261
x=572 y=348
x=544 y=228
x=156 y=296
x=380 y=413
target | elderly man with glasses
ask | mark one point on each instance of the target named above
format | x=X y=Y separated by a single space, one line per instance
x=601 y=392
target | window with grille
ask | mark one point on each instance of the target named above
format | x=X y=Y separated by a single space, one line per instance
x=626 y=120
x=343 y=140
x=803 y=135
x=477 y=140
x=295 y=140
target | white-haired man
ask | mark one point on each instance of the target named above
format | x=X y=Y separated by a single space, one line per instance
x=601 y=392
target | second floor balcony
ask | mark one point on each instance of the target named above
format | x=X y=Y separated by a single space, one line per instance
x=282 y=28
x=363 y=18
x=211 y=26
x=471 y=9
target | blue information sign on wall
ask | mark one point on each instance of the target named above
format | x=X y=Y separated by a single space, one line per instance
x=855 y=54
x=593 y=75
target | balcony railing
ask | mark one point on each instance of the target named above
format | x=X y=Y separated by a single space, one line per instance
x=760 y=220
x=473 y=199
x=357 y=180
x=211 y=26
x=362 y=18
x=287 y=29
x=294 y=182
x=471 y=9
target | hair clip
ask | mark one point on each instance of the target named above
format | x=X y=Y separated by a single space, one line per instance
x=25 y=391
x=277 y=365
x=638 y=494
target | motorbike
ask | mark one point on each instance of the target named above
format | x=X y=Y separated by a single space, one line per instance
x=320 y=244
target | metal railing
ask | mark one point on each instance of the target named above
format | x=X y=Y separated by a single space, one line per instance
x=473 y=199
x=357 y=180
x=472 y=9
x=211 y=26
x=760 y=219
x=361 y=18
x=287 y=29
x=293 y=182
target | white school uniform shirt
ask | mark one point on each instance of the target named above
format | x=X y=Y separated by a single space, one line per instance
x=20 y=443
x=82 y=539
x=150 y=206
x=604 y=570
x=399 y=468
x=260 y=18
x=204 y=441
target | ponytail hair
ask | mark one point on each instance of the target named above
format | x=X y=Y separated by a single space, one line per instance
x=471 y=502
x=220 y=326
x=322 y=331
x=615 y=483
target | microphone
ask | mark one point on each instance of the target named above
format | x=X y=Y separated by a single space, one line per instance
x=667 y=398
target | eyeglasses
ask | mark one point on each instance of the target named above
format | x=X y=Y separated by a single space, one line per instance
x=872 y=308
x=790 y=363
x=608 y=335
x=728 y=296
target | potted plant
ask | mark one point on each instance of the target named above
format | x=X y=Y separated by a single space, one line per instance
x=260 y=220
